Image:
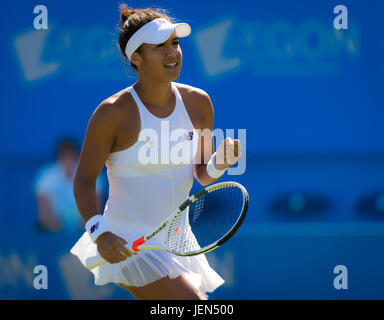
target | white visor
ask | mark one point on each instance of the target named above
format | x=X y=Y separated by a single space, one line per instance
x=155 y=32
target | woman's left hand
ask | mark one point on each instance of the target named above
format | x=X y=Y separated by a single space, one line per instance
x=228 y=153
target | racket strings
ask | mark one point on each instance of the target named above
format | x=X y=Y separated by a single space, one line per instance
x=206 y=221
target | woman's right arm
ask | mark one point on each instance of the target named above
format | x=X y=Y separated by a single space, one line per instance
x=99 y=139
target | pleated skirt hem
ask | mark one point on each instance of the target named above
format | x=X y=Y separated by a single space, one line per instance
x=148 y=266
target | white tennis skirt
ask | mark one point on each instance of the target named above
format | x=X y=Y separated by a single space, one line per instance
x=146 y=266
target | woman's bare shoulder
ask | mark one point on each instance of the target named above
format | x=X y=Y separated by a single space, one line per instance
x=197 y=100
x=115 y=108
x=191 y=91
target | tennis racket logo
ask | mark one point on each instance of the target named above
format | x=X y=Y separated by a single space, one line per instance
x=156 y=231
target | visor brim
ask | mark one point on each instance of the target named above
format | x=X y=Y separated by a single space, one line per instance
x=182 y=30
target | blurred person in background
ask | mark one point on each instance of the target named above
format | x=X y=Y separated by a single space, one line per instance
x=57 y=210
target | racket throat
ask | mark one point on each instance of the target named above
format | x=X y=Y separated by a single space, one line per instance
x=137 y=243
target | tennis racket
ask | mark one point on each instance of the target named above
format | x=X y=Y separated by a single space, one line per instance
x=200 y=224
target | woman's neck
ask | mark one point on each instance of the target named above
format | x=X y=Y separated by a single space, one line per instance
x=154 y=93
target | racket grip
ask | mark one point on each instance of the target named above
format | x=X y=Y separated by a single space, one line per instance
x=93 y=262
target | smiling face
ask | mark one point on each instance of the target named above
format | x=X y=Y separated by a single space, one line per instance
x=161 y=62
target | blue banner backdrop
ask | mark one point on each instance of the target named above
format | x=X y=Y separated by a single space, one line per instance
x=309 y=96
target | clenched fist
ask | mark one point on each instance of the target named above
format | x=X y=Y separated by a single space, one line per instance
x=228 y=153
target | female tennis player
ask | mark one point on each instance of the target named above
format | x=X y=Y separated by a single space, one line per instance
x=141 y=194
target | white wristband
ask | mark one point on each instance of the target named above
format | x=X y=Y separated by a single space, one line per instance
x=96 y=226
x=212 y=171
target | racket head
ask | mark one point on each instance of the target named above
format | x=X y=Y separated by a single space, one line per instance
x=207 y=219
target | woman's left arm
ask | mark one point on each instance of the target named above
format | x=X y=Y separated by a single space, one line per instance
x=209 y=166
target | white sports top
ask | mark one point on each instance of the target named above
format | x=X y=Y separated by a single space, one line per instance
x=148 y=180
x=141 y=196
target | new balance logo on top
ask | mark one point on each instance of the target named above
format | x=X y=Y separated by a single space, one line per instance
x=188 y=136
x=94 y=227
x=181 y=146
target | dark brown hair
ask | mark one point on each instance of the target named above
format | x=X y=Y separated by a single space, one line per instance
x=132 y=20
x=65 y=145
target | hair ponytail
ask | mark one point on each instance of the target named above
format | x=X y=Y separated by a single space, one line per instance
x=132 y=20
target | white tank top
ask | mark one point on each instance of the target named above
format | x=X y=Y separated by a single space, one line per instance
x=149 y=180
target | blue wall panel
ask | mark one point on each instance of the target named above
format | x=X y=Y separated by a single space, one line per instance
x=309 y=96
